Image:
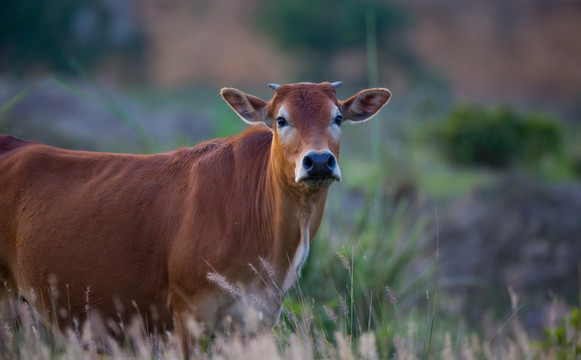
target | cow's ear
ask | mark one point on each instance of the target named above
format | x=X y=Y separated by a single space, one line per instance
x=250 y=108
x=366 y=103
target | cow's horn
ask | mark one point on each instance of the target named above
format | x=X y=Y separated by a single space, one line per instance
x=274 y=86
x=336 y=84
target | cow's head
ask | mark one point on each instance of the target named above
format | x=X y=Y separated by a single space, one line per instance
x=306 y=121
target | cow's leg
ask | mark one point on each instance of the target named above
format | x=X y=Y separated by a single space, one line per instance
x=194 y=320
x=183 y=335
x=193 y=336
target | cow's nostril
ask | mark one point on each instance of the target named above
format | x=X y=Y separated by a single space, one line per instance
x=308 y=162
x=331 y=162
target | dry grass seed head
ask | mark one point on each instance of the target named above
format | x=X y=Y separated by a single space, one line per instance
x=343 y=308
x=447 y=353
x=403 y=349
x=267 y=267
x=330 y=314
x=223 y=284
x=259 y=301
x=253 y=269
x=391 y=296
x=367 y=346
x=343 y=348
x=299 y=349
x=468 y=352
x=344 y=261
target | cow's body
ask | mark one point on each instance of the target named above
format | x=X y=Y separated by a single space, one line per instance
x=116 y=220
x=206 y=231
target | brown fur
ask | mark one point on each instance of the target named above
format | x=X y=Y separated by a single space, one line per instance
x=121 y=234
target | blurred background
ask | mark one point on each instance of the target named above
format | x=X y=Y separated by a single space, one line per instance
x=476 y=155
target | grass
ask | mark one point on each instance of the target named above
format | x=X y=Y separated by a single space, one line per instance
x=361 y=297
x=22 y=337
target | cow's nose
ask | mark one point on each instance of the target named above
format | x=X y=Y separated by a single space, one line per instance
x=320 y=164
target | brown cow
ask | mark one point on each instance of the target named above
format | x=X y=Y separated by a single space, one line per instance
x=206 y=232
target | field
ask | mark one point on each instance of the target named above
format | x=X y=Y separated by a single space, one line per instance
x=367 y=293
x=376 y=285
x=456 y=230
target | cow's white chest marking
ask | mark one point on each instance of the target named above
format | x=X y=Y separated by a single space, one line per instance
x=298 y=260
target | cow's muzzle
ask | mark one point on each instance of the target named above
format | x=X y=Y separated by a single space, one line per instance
x=318 y=169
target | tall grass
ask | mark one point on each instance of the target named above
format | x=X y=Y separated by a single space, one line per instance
x=367 y=292
x=300 y=335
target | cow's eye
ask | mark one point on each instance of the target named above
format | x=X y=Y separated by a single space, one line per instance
x=281 y=122
x=338 y=120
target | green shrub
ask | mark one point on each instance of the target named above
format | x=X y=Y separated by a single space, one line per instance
x=323 y=28
x=564 y=342
x=541 y=135
x=47 y=34
x=473 y=135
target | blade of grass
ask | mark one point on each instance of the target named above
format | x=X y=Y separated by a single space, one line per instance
x=498 y=331
x=370 y=308
x=427 y=349
x=113 y=106
x=373 y=79
x=13 y=101
x=352 y=295
x=75 y=90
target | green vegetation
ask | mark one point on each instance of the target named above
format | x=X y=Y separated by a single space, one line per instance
x=350 y=282
x=564 y=339
x=473 y=135
x=46 y=35
x=327 y=27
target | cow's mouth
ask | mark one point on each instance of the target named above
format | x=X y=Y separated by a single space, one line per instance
x=319 y=182
x=317 y=169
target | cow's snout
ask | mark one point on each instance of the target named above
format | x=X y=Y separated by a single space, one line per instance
x=318 y=169
x=319 y=165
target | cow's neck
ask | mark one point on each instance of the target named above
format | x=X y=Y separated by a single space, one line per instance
x=297 y=216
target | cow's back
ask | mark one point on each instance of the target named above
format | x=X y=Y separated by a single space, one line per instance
x=95 y=224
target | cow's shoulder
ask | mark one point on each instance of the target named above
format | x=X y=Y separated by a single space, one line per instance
x=254 y=140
